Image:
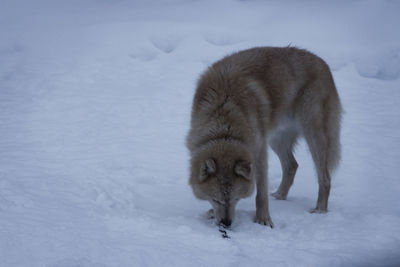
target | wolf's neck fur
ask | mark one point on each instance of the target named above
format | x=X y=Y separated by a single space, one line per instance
x=227 y=108
x=224 y=124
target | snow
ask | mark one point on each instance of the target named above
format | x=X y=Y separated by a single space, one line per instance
x=95 y=100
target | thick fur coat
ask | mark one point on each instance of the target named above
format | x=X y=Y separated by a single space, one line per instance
x=256 y=97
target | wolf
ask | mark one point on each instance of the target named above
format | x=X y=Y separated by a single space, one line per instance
x=252 y=98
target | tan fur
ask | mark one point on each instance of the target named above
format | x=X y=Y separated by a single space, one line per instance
x=251 y=98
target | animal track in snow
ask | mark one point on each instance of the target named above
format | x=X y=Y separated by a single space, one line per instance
x=166 y=44
x=386 y=67
x=112 y=197
x=222 y=39
x=143 y=54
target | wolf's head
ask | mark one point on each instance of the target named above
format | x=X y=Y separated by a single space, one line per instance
x=222 y=173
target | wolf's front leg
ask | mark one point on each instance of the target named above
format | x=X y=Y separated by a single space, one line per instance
x=262 y=212
x=262 y=208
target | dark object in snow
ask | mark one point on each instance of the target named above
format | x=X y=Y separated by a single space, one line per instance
x=223 y=231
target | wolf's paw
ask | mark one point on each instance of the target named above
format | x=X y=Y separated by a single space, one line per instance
x=317 y=210
x=278 y=195
x=264 y=220
x=210 y=214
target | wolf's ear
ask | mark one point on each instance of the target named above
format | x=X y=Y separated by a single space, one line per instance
x=208 y=167
x=243 y=168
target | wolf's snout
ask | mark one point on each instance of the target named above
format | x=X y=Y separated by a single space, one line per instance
x=226 y=222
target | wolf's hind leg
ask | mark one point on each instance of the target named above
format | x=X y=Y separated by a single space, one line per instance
x=321 y=130
x=318 y=148
x=282 y=145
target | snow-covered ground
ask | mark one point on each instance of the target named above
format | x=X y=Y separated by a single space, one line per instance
x=95 y=98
